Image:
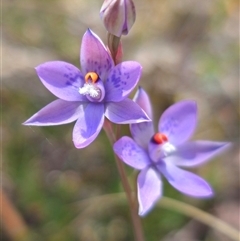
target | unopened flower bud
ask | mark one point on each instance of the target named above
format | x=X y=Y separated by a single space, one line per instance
x=118 y=16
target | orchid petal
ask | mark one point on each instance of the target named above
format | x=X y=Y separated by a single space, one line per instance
x=179 y=121
x=62 y=79
x=88 y=125
x=122 y=80
x=132 y=154
x=142 y=132
x=94 y=56
x=184 y=181
x=142 y=99
x=125 y=112
x=149 y=190
x=57 y=112
x=192 y=154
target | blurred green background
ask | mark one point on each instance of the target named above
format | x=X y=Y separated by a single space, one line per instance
x=188 y=50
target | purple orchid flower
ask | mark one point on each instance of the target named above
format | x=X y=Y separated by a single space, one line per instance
x=99 y=90
x=162 y=153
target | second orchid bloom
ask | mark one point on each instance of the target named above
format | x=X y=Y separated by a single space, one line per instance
x=162 y=153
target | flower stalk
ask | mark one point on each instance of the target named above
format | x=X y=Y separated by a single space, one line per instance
x=136 y=221
x=114 y=46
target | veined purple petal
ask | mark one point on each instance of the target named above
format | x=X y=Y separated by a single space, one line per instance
x=179 y=121
x=184 y=181
x=125 y=112
x=57 y=112
x=88 y=125
x=191 y=154
x=62 y=79
x=132 y=154
x=149 y=190
x=94 y=56
x=122 y=80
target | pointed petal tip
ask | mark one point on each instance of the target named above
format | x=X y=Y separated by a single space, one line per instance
x=86 y=143
x=224 y=146
x=28 y=122
x=141 y=213
x=38 y=68
x=206 y=194
x=81 y=145
x=25 y=123
x=227 y=144
x=89 y=31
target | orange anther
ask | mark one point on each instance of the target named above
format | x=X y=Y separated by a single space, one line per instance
x=160 y=138
x=91 y=76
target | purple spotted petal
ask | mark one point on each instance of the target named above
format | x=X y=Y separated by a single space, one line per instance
x=122 y=80
x=149 y=190
x=62 y=79
x=132 y=154
x=88 y=125
x=184 y=181
x=192 y=154
x=125 y=112
x=142 y=132
x=94 y=56
x=57 y=112
x=179 y=121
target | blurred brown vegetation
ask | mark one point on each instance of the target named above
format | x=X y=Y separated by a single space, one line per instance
x=188 y=50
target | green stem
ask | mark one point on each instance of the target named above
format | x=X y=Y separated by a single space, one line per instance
x=136 y=221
